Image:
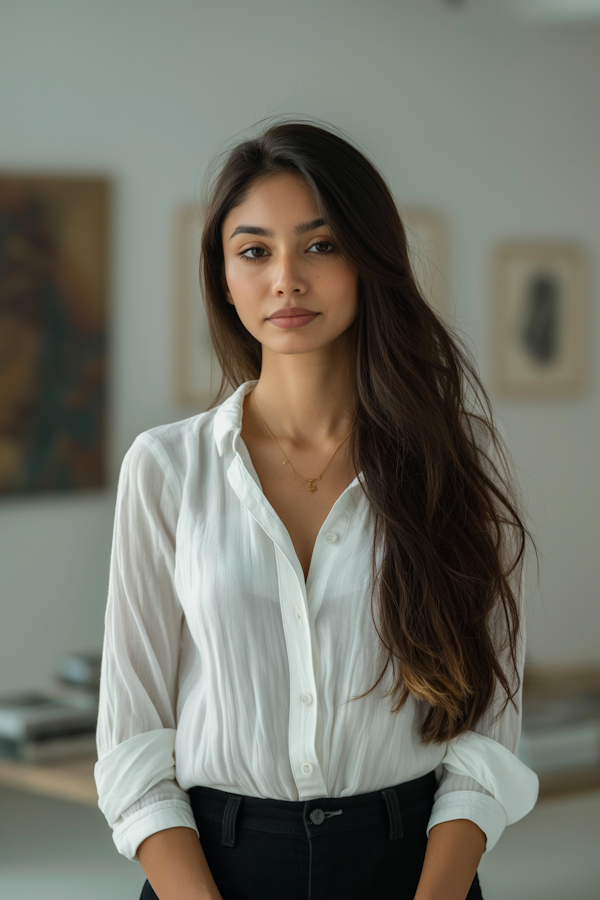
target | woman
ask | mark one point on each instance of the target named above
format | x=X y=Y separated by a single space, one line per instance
x=314 y=644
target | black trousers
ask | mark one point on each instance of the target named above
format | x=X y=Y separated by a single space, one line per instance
x=365 y=846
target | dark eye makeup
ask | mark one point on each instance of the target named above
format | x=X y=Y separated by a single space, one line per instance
x=243 y=254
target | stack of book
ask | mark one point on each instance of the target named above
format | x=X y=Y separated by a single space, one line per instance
x=59 y=722
x=78 y=677
x=561 y=733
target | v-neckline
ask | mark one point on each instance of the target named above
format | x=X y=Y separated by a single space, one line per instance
x=246 y=462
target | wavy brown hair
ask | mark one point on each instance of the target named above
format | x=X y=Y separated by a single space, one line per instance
x=449 y=538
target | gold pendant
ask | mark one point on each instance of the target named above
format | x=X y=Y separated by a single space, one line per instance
x=311 y=487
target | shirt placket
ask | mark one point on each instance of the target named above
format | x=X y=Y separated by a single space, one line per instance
x=298 y=610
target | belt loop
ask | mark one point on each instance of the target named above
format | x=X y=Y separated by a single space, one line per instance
x=229 y=816
x=393 y=807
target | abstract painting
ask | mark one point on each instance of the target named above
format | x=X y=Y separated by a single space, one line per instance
x=53 y=324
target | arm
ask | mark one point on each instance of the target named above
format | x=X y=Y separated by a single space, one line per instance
x=137 y=720
x=454 y=850
x=483 y=785
x=176 y=867
x=483 y=779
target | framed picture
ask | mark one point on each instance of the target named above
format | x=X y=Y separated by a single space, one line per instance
x=428 y=238
x=196 y=375
x=53 y=325
x=540 y=321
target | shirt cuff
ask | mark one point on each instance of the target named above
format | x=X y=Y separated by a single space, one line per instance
x=157 y=817
x=486 y=812
x=132 y=768
x=509 y=781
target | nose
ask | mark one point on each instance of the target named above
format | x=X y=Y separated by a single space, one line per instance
x=287 y=277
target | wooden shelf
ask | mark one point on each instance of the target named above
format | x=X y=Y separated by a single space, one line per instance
x=547 y=682
x=69 y=779
x=73 y=779
x=577 y=781
x=560 y=681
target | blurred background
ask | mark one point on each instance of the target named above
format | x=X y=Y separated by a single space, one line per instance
x=484 y=116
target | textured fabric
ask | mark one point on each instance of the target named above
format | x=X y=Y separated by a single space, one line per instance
x=146 y=759
x=351 y=847
x=213 y=636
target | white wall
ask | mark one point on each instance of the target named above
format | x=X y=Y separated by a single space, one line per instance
x=558 y=10
x=494 y=123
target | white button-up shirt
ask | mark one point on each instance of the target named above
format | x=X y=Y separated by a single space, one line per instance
x=223 y=668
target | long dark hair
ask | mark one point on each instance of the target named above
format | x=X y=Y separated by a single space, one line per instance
x=449 y=538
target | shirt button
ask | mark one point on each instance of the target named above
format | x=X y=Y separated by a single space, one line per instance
x=298 y=613
x=306 y=699
x=307 y=768
x=331 y=537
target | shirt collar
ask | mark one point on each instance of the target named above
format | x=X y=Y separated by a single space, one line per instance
x=228 y=417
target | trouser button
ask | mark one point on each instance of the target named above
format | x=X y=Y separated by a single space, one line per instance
x=317 y=816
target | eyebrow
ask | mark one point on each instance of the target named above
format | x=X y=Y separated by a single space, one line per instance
x=266 y=232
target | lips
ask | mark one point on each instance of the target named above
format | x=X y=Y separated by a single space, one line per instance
x=292 y=317
x=292 y=311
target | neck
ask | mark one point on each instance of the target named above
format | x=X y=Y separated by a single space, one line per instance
x=307 y=398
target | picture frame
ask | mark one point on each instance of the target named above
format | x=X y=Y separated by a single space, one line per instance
x=540 y=317
x=196 y=373
x=54 y=322
x=428 y=238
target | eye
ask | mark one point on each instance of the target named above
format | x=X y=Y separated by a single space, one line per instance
x=322 y=247
x=253 y=251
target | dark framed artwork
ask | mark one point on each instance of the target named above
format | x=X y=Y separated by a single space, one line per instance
x=541 y=318
x=53 y=325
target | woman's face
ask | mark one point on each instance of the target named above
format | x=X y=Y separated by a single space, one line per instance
x=279 y=257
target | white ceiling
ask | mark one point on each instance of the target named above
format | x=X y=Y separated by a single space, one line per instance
x=558 y=10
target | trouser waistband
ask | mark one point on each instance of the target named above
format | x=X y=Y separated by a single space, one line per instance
x=313 y=817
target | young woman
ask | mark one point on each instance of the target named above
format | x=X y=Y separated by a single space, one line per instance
x=314 y=639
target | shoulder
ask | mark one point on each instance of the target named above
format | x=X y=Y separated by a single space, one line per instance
x=177 y=443
x=169 y=451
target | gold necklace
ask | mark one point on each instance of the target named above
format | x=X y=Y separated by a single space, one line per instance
x=310 y=482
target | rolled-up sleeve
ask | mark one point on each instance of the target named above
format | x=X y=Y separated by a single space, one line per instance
x=481 y=776
x=484 y=780
x=136 y=773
